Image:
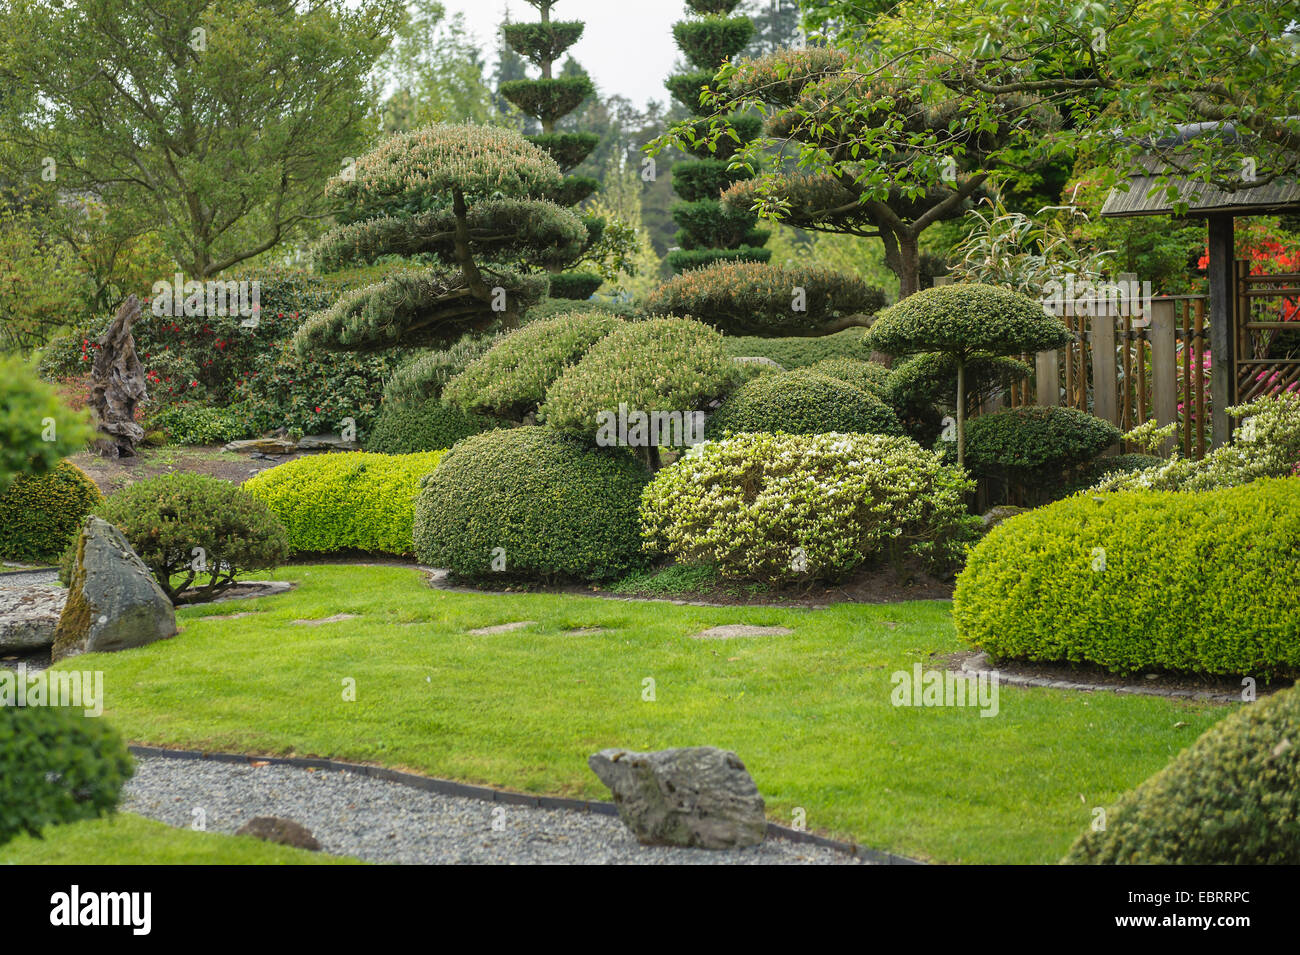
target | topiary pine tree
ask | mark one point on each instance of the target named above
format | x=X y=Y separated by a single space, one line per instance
x=471 y=198
x=548 y=100
x=710 y=232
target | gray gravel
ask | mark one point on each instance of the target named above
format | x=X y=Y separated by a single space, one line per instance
x=381 y=821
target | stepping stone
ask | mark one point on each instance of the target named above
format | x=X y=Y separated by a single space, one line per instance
x=583 y=631
x=503 y=627
x=334 y=619
x=232 y=616
x=740 y=630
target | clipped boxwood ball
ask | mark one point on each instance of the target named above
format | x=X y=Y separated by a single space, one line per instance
x=864 y=375
x=41 y=514
x=1200 y=582
x=57 y=765
x=1034 y=439
x=802 y=402
x=534 y=502
x=1231 y=798
x=429 y=425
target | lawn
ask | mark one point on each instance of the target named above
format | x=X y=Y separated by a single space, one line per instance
x=126 y=839
x=810 y=713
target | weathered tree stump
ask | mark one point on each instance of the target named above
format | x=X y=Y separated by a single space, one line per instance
x=117 y=385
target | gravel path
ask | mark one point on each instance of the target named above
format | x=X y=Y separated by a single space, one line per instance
x=381 y=821
x=24 y=578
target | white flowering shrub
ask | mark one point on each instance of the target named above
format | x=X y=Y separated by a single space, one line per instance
x=1265 y=445
x=785 y=508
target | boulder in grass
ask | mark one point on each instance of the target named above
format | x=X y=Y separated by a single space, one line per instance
x=285 y=832
x=700 y=796
x=113 y=602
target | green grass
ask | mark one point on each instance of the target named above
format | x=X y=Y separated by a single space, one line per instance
x=126 y=839
x=810 y=713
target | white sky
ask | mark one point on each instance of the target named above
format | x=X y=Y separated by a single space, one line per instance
x=627 y=47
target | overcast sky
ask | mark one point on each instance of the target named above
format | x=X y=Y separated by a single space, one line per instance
x=627 y=47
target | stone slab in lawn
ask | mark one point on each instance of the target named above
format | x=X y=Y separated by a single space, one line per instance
x=583 y=631
x=740 y=630
x=337 y=618
x=28 y=616
x=503 y=627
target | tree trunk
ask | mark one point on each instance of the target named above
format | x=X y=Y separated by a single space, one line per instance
x=961 y=412
x=909 y=265
x=117 y=385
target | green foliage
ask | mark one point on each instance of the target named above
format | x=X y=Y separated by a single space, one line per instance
x=37 y=430
x=966 y=320
x=428 y=425
x=787 y=508
x=555 y=307
x=709 y=41
x=41 y=514
x=792 y=353
x=554 y=505
x=1195 y=582
x=1108 y=466
x=41 y=286
x=356 y=500
x=424 y=375
x=542 y=42
x=575 y=286
x=681 y=260
x=704 y=179
x=280 y=91
x=548 y=100
x=802 y=402
x=755 y=299
x=567 y=149
x=929 y=379
x=164 y=518
x=699 y=144
x=512 y=378
x=1035 y=445
x=1266 y=444
x=662 y=364
x=687 y=86
x=864 y=375
x=1228 y=799
x=189 y=423
x=57 y=765
x=708 y=224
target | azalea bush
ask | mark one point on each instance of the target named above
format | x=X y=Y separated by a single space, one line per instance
x=788 y=508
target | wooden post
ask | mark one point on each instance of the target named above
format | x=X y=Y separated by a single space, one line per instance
x=1104 y=379
x=1164 y=367
x=1223 y=368
x=1047 y=370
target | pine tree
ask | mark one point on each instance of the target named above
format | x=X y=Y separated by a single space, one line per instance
x=549 y=99
x=708 y=231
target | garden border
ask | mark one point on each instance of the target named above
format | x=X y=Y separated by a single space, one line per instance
x=447 y=787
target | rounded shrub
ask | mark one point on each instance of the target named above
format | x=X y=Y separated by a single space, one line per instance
x=534 y=502
x=799 y=507
x=356 y=500
x=1033 y=440
x=511 y=379
x=429 y=425
x=41 y=514
x=659 y=365
x=56 y=765
x=1194 y=582
x=792 y=353
x=864 y=375
x=1228 y=799
x=196 y=533
x=575 y=286
x=802 y=402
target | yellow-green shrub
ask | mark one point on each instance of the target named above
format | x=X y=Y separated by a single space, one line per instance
x=344 y=501
x=41 y=514
x=1201 y=582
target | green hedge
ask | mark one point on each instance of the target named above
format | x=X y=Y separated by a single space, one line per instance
x=1231 y=798
x=1197 y=582
x=792 y=353
x=1035 y=441
x=40 y=515
x=864 y=375
x=355 y=500
x=56 y=765
x=802 y=402
x=555 y=506
x=429 y=425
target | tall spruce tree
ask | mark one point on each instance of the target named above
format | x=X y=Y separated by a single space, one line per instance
x=547 y=100
x=709 y=231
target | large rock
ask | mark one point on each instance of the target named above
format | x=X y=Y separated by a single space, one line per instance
x=28 y=616
x=113 y=601
x=700 y=796
x=264 y=445
x=327 y=442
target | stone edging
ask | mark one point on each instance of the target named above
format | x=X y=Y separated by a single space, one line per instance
x=447 y=787
x=979 y=664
